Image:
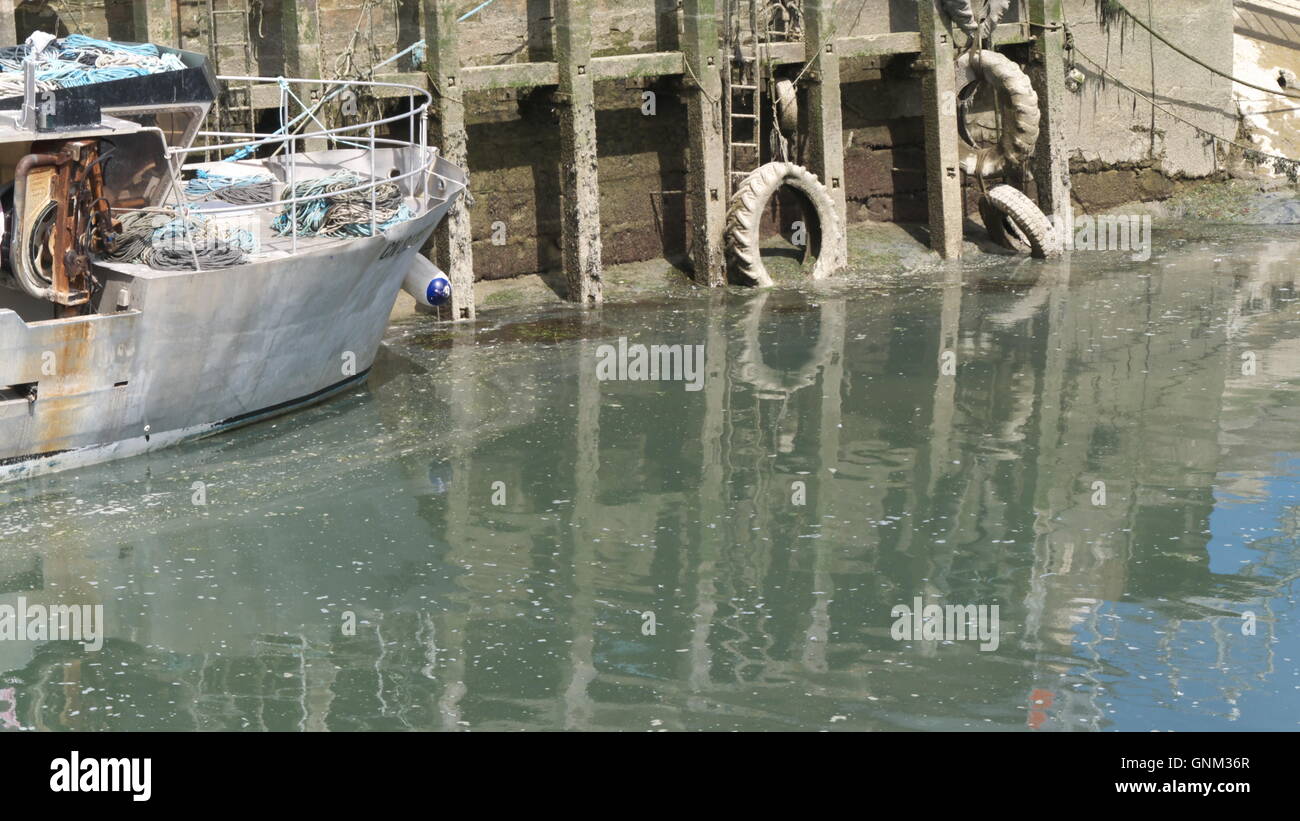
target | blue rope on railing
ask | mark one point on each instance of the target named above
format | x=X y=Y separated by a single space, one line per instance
x=474 y=11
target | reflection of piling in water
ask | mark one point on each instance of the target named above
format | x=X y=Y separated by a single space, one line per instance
x=711 y=502
x=578 y=706
x=831 y=340
x=1046 y=401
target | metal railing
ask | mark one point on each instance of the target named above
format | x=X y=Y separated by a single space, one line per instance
x=361 y=135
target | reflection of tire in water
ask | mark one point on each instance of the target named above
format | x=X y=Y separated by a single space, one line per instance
x=1012 y=218
x=778 y=383
x=745 y=216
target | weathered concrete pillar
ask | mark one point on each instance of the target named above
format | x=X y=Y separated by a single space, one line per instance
x=579 y=194
x=707 y=182
x=301 y=38
x=155 y=22
x=939 y=101
x=667 y=29
x=8 y=26
x=825 y=120
x=541 y=32
x=1051 y=164
x=453 y=241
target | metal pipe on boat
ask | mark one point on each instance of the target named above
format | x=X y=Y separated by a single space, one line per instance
x=19 y=262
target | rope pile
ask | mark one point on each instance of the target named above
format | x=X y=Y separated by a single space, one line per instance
x=161 y=241
x=247 y=190
x=340 y=215
x=78 y=60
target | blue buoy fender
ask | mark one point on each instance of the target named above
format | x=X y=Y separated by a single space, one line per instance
x=427 y=283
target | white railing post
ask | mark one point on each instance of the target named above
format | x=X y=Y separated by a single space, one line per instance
x=293 y=191
x=293 y=165
x=425 y=158
x=374 y=183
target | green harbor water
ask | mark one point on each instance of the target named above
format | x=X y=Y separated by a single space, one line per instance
x=491 y=537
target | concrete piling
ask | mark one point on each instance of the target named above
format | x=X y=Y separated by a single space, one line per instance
x=154 y=22
x=825 y=120
x=939 y=101
x=453 y=240
x=706 y=180
x=579 y=194
x=1047 y=71
x=8 y=29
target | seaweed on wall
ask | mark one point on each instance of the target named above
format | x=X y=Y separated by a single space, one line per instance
x=1112 y=14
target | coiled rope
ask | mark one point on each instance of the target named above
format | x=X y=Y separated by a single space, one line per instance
x=246 y=190
x=78 y=60
x=340 y=215
x=167 y=242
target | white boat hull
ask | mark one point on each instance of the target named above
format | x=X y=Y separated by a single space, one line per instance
x=199 y=352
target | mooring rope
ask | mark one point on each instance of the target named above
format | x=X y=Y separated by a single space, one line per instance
x=340 y=215
x=78 y=60
x=247 y=190
x=164 y=241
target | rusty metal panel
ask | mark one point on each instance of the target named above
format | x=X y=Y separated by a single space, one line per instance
x=68 y=356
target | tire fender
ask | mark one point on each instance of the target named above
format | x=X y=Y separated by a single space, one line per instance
x=1019 y=213
x=965 y=14
x=1019 y=109
x=745 y=215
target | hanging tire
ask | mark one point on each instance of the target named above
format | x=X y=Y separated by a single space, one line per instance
x=745 y=215
x=965 y=14
x=787 y=107
x=1018 y=104
x=1011 y=217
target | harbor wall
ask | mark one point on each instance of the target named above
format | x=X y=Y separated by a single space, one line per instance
x=1120 y=148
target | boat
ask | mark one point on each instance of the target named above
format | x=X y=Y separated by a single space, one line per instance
x=160 y=283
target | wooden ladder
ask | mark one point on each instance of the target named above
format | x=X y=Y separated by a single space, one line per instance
x=234 y=109
x=746 y=33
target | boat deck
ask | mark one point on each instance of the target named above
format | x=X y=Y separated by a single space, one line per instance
x=257 y=219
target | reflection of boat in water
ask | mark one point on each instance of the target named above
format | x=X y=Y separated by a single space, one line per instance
x=151 y=301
